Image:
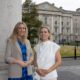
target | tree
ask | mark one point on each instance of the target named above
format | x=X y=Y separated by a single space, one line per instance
x=30 y=17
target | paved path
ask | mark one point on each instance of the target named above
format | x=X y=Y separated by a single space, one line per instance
x=70 y=70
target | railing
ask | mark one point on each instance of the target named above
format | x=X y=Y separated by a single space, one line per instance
x=70 y=45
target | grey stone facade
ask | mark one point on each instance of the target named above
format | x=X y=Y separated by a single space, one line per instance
x=61 y=22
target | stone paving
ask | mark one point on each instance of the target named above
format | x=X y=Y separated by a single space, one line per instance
x=69 y=70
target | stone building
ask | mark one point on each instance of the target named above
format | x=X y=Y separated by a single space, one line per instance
x=64 y=24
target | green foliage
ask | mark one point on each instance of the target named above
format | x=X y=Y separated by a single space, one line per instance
x=30 y=17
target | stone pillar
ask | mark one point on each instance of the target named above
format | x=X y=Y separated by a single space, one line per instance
x=60 y=25
x=52 y=26
x=71 y=25
x=10 y=14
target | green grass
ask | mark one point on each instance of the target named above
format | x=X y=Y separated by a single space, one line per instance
x=68 y=51
x=78 y=51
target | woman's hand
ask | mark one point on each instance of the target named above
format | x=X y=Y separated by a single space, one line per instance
x=22 y=64
x=42 y=72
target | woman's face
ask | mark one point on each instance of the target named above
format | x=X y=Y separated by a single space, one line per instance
x=21 y=30
x=44 y=34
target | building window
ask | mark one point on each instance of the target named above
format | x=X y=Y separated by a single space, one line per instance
x=76 y=30
x=67 y=23
x=67 y=29
x=55 y=22
x=56 y=29
x=76 y=27
x=62 y=23
x=62 y=29
x=45 y=20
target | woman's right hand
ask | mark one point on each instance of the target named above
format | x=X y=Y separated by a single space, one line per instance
x=21 y=63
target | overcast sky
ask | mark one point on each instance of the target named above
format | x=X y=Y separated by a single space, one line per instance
x=66 y=4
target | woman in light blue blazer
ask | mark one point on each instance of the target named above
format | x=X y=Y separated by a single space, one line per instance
x=19 y=54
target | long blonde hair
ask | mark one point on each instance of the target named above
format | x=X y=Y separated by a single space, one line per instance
x=14 y=34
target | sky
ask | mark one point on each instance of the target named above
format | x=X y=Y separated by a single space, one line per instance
x=65 y=4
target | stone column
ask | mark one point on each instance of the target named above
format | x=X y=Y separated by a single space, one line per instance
x=71 y=25
x=52 y=25
x=52 y=28
x=60 y=24
x=10 y=14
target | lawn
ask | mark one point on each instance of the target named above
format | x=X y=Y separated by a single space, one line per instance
x=68 y=51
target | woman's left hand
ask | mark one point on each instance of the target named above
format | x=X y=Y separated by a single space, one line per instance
x=43 y=72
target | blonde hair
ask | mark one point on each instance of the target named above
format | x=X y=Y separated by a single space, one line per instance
x=14 y=34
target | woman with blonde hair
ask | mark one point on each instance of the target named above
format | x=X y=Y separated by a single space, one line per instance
x=19 y=54
x=47 y=56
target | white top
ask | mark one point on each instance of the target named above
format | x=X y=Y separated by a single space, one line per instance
x=46 y=57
